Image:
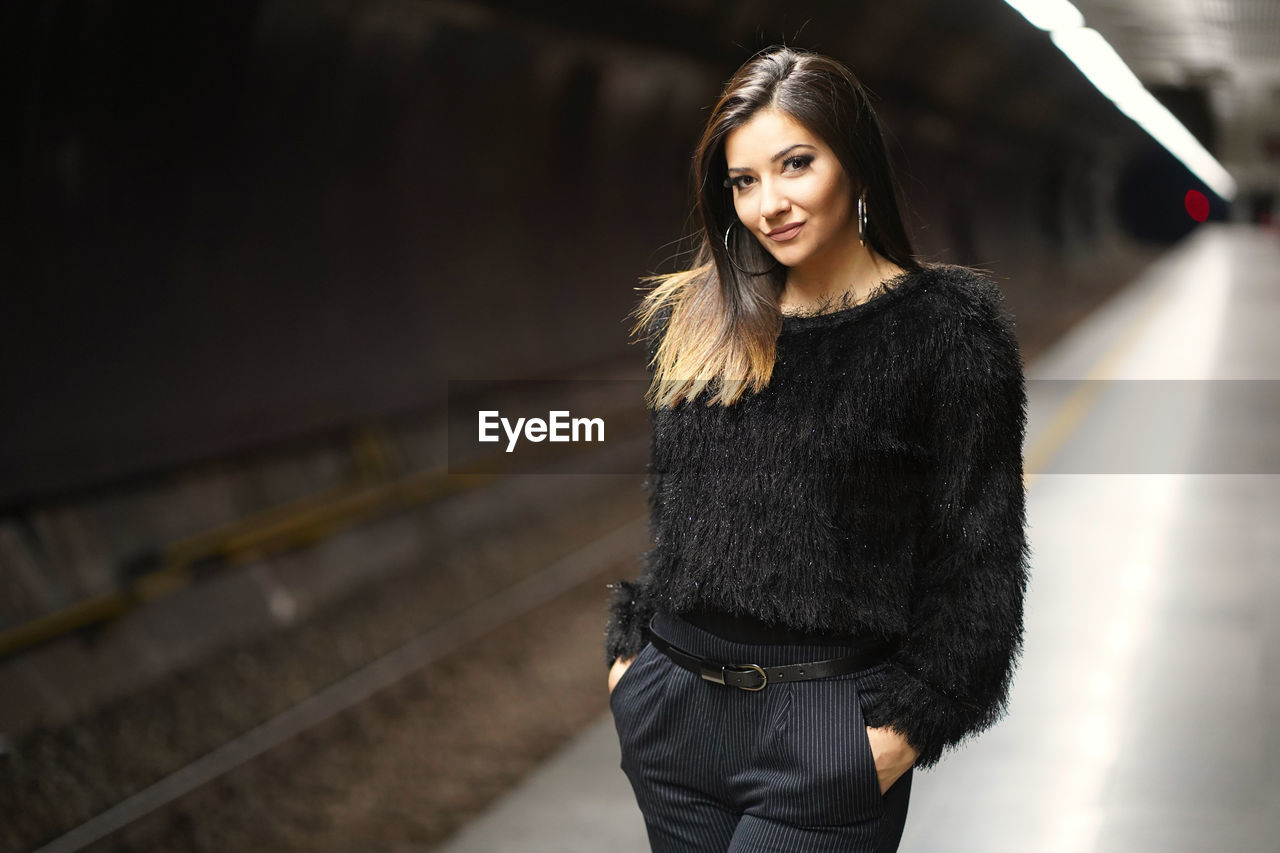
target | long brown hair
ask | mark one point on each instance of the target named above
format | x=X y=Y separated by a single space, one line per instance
x=720 y=317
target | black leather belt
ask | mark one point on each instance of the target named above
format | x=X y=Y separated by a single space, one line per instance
x=751 y=676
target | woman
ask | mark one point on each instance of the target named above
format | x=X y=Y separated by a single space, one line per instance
x=835 y=590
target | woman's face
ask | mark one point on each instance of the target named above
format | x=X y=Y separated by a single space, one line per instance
x=788 y=187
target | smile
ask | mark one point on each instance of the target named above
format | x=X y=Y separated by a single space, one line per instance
x=787 y=234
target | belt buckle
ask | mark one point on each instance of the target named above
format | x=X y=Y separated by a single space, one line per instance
x=718 y=677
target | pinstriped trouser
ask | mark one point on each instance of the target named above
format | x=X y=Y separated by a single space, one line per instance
x=787 y=769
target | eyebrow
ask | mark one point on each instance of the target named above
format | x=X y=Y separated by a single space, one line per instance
x=776 y=157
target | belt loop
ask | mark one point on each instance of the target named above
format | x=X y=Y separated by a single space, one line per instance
x=713 y=675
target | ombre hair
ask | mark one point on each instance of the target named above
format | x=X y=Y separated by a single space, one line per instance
x=720 y=324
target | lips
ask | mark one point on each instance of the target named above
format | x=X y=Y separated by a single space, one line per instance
x=786 y=232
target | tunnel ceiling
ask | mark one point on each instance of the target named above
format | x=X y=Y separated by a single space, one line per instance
x=1229 y=49
x=977 y=62
x=981 y=61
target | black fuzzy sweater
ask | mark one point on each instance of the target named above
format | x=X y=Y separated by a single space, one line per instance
x=874 y=487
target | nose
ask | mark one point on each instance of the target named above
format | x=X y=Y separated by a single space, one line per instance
x=774 y=202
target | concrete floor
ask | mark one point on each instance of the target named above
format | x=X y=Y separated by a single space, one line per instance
x=1141 y=714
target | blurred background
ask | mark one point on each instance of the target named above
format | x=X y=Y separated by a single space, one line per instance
x=246 y=246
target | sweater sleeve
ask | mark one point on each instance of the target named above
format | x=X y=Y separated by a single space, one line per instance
x=950 y=676
x=630 y=604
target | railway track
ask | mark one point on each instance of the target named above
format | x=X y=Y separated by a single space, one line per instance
x=609 y=554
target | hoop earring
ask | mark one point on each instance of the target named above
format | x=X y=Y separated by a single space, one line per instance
x=729 y=254
x=862 y=219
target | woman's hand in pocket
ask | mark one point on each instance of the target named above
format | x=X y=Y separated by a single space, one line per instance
x=893 y=755
x=615 y=671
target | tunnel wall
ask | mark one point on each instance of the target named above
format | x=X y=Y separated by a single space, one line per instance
x=277 y=219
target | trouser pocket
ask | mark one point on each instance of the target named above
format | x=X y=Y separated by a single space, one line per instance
x=827 y=768
x=635 y=700
x=630 y=672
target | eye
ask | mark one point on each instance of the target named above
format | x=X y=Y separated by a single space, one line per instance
x=800 y=161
